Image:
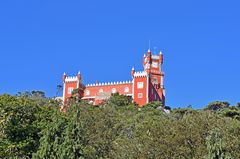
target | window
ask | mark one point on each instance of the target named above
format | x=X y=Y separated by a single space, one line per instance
x=87 y=92
x=100 y=90
x=140 y=85
x=155 y=80
x=70 y=89
x=126 y=89
x=114 y=90
x=140 y=95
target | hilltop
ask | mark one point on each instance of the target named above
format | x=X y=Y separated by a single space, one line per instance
x=32 y=126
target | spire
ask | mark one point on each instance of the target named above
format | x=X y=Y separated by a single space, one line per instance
x=133 y=71
x=79 y=75
x=160 y=52
x=149 y=50
x=64 y=77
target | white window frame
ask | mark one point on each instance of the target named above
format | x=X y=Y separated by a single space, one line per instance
x=87 y=92
x=70 y=90
x=140 y=95
x=100 y=90
x=114 y=90
x=126 y=89
x=140 y=85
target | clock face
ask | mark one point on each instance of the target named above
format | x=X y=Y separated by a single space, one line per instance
x=155 y=64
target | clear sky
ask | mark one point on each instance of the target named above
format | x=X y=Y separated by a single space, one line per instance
x=200 y=40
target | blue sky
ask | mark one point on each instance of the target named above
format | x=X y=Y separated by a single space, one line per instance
x=41 y=39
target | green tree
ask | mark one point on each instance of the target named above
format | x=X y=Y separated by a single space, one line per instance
x=217 y=105
x=72 y=144
x=52 y=137
x=216 y=146
x=21 y=121
x=119 y=100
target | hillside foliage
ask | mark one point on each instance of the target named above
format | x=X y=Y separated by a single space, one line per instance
x=32 y=126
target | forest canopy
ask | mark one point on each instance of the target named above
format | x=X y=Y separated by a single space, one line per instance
x=32 y=126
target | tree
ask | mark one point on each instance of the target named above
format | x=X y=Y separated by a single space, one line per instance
x=52 y=137
x=21 y=121
x=217 y=105
x=216 y=145
x=153 y=105
x=72 y=144
x=238 y=105
x=119 y=100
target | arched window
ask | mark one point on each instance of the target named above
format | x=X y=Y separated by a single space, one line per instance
x=87 y=92
x=114 y=90
x=126 y=89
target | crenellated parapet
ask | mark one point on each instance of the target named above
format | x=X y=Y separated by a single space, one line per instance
x=146 y=85
x=71 y=79
x=155 y=57
x=109 y=83
x=140 y=74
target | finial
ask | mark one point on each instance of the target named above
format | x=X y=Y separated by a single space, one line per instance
x=160 y=52
x=79 y=72
x=149 y=50
x=144 y=55
x=132 y=68
x=64 y=73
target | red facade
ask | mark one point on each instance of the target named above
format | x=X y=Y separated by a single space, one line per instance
x=146 y=86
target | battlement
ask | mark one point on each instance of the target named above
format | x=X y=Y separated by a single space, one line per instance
x=140 y=74
x=155 y=57
x=109 y=83
x=71 y=79
x=145 y=86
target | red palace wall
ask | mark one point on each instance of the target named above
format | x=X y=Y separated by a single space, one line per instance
x=67 y=86
x=145 y=87
x=98 y=92
x=140 y=94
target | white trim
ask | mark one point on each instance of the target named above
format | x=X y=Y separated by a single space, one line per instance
x=139 y=97
x=155 y=57
x=109 y=83
x=140 y=85
x=88 y=97
x=147 y=88
x=133 y=89
x=140 y=74
x=78 y=83
x=126 y=89
x=70 y=90
x=162 y=82
x=87 y=92
x=71 y=79
x=64 y=92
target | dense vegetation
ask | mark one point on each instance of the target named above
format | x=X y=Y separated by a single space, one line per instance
x=31 y=126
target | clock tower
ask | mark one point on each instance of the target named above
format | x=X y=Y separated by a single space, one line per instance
x=153 y=66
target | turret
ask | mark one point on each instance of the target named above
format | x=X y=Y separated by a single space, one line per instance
x=64 y=77
x=149 y=55
x=161 y=58
x=79 y=76
x=133 y=71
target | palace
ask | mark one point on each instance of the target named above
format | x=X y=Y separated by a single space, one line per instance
x=146 y=86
